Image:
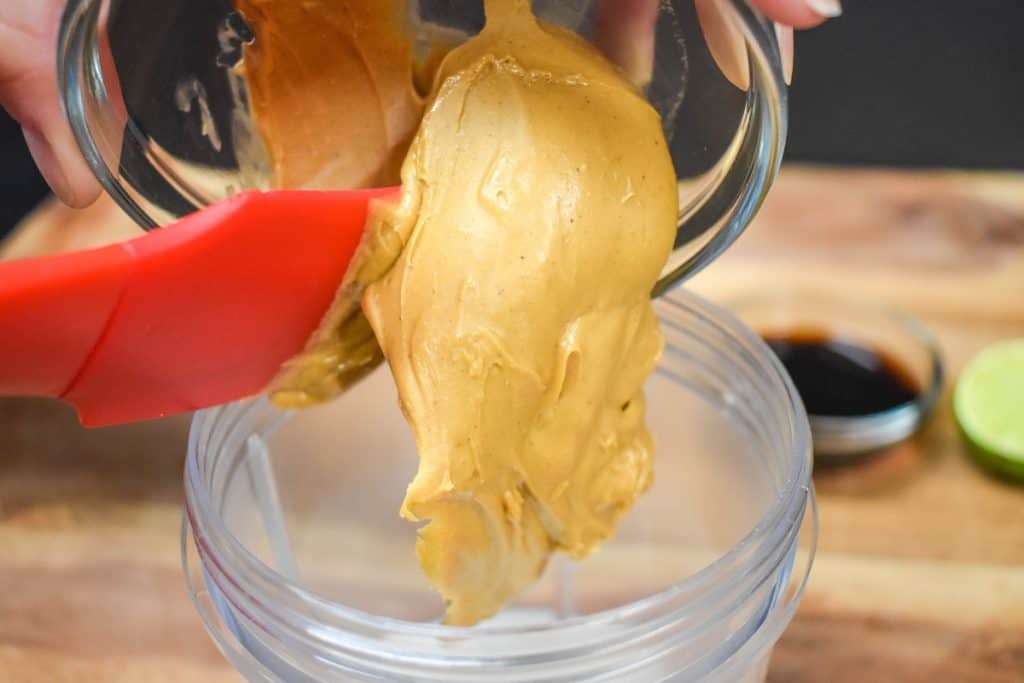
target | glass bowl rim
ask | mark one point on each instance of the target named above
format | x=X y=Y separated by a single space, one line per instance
x=767 y=94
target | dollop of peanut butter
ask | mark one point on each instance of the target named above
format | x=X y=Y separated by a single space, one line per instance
x=509 y=289
x=540 y=209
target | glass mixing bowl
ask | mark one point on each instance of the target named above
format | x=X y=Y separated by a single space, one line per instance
x=303 y=571
x=151 y=94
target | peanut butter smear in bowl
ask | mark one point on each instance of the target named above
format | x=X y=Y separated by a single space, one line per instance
x=330 y=91
x=508 y=286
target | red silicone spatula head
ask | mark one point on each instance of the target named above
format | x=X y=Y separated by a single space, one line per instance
x=196 y=314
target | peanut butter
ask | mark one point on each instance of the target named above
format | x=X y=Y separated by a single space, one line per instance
x=509 y=289
x=331 y=89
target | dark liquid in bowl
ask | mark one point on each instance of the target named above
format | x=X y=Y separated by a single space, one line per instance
x=837 y=378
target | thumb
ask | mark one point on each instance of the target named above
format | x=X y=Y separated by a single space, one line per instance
x=28 y=91
x=59 y=159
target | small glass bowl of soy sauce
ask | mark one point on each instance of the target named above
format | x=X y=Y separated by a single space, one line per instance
x=869 y=376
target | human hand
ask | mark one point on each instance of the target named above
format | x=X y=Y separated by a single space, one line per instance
x=625 y=32
x=28 y=91
x=798 y=13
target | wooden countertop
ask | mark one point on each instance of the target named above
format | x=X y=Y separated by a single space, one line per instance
x=920 y=570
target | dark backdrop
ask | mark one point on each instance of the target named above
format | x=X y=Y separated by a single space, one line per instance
x=891 y=82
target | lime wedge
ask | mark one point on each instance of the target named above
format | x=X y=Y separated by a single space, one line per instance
x=989 y=405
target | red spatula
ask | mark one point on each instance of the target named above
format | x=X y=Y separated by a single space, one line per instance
x=198 y=313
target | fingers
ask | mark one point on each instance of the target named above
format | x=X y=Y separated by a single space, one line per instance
x=799 y=13
x=784 y=34
x=28 y=91
x=624 y=31
x=725 y=42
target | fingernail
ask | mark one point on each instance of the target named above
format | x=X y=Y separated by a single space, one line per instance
x=725 y=42
x=46 y=161
x=825 y=8
x=784 y=34
x=63 y=167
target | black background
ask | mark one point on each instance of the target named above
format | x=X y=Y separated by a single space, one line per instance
x=904 y=83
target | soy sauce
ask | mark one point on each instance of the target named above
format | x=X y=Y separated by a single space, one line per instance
x=838 y=378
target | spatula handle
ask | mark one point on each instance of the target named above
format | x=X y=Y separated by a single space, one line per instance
x=196 y=314
x=53 y=312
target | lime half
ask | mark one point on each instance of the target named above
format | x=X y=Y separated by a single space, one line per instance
x=989 y=405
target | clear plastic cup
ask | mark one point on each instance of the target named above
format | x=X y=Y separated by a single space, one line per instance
x=151 y=97
x=303 y=571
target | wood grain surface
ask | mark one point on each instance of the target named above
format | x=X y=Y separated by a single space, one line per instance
x=920 y=571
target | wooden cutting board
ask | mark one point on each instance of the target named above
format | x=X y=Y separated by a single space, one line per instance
x=920 y=570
